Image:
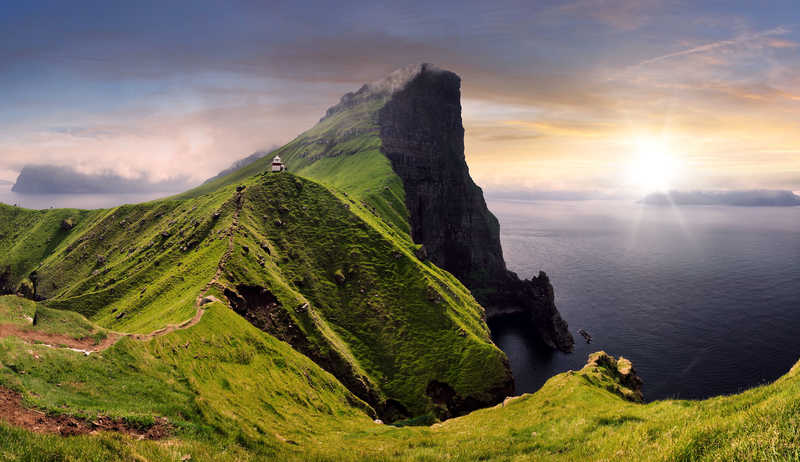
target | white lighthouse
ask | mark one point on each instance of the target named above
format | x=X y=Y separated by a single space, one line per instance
x=277 y=164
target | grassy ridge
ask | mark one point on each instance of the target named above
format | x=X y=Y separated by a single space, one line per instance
x=139 y=267
x=342 y=152
x=381 y=320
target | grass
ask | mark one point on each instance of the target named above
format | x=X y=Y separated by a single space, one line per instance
x=210 y=382
x=378 y=318
x=36 y=317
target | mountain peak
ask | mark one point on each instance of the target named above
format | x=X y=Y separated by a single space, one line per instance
x=396 y=81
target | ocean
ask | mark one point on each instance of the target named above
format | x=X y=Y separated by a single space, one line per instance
x=705 y=300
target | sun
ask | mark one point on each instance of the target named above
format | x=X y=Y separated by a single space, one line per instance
x=652 y=166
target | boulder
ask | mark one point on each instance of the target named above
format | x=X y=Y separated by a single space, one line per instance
x=67 y=224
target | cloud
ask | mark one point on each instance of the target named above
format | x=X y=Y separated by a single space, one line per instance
x=158 y=86
x=565 y=128
x=624 y=15
x=777 y=43
x=740 y=40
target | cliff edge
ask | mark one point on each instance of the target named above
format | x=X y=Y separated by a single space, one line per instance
x=423 y=137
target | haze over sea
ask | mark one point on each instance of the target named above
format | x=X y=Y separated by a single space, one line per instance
x=705 y=300
x=78 y=201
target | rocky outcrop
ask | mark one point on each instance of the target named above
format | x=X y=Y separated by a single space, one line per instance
x=615 y=375
x=423 y=137
x=6 y=282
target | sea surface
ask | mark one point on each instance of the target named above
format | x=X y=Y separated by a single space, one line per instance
x=705 y=300
x=78 y=201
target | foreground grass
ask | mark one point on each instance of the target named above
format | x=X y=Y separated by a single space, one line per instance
x=575 y=417
x=246 y=396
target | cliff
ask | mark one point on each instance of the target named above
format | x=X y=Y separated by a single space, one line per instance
x=423 y=137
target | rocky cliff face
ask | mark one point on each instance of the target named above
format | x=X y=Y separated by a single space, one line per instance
x=423 y=137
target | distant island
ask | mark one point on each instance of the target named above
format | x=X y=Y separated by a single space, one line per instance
x=741 y=198
x=6 y=182
x=49 y=179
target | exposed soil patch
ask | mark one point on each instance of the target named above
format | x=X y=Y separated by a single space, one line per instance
x=13 y=412
x=262 y=309
x=86 y=344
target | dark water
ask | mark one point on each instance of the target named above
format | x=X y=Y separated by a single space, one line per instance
x=77 y=201
x=703 y=300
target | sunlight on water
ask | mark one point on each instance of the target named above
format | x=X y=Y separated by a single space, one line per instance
x=704 y=300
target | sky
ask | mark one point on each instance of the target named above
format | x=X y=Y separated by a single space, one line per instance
x=583 y=95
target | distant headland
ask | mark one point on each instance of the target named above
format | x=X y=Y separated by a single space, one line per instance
x=49 y=179
x=740 y=198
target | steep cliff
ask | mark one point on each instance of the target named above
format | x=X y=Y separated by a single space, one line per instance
x=420 y=130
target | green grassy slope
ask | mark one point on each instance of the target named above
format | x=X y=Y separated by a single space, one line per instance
x=383 y=322
x=232 y=392
x=576 y=416
x=138 y=267
x=29 y=236
x=395 y=317
x=208 y=381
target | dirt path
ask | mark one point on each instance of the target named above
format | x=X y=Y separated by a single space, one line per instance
x=229 y=251
x=13 y=412
x=173 y=327
x=87 y=345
